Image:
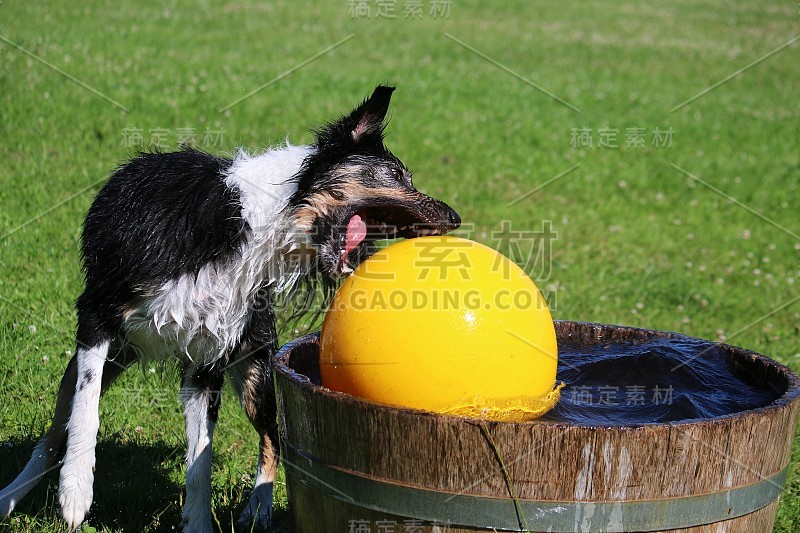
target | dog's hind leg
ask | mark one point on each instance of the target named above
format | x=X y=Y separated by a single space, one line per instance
x=251 y=375
x=48 y=448
x=201 y=395
x=75 y=489
x=51 y=446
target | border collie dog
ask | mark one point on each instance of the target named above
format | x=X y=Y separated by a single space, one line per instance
x=179 y=251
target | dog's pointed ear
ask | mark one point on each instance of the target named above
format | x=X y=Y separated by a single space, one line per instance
x=368 y=118
x=364 y=124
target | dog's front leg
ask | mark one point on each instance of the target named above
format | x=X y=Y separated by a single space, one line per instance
x=252 y=378
x=201 y=394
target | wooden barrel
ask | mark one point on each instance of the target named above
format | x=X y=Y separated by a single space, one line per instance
x=354 y=466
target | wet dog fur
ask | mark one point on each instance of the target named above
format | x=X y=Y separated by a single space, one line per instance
x=180 y=252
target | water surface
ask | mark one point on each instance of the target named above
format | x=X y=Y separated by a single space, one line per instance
x=660 y=380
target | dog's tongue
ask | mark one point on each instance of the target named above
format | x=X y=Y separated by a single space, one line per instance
x=356 y=231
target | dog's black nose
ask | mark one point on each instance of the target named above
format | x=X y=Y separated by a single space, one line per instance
x=455 y=220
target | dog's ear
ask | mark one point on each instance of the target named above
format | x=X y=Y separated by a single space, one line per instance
x=365 y=123
x=368 y=118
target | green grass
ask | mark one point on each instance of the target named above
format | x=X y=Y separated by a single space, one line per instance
x=639 y=242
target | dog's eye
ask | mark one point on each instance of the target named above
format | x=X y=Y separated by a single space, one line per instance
x=397 y=174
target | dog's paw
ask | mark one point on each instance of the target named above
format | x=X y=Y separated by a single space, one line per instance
x=258 y=512
x=75 y=493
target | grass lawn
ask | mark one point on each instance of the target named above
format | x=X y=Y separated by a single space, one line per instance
x=683 y=220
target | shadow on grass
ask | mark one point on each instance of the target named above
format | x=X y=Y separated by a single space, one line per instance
x=137 y=487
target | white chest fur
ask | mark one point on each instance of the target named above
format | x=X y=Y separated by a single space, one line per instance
x=200 y=318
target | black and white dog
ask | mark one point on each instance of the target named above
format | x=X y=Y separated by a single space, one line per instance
x=178 y=248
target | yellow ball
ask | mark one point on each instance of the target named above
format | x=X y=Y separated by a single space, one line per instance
x=442 y=324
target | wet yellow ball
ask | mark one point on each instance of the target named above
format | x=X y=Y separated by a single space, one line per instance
x=442 y=324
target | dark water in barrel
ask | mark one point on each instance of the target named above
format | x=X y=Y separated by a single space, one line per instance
x=661 y=380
